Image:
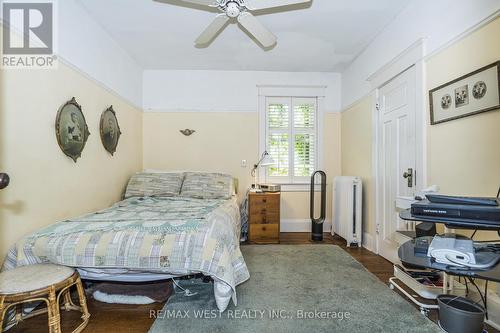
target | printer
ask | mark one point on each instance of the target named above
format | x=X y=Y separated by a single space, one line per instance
x=470 y=209
x=452 y=250
x=462 y=252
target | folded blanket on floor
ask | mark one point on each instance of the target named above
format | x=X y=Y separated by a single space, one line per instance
x=157 y=291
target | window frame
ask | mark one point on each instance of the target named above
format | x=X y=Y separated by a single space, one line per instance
x=266 y=93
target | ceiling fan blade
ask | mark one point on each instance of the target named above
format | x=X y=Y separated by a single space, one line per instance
x=213 y=29
x=263 y=4
x=256 y=29
x=211 y=3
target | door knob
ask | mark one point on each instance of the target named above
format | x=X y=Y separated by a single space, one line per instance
x=409 y=177
x=4 y=180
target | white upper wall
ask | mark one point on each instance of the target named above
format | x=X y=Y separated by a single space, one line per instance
x=85 y=45
x=236 y=91
x=439 y=21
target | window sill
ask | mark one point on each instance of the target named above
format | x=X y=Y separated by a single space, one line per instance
x=306 y=187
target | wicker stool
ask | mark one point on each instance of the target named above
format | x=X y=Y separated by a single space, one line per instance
x=41 y=283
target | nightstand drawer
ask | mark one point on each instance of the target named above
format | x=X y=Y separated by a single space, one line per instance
x=265 y=233
x=264 y=209
x=264 y=218
x=264 y=201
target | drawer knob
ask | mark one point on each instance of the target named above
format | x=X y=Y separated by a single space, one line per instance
x=263 y=228
x=263 y=211
x=264 y=200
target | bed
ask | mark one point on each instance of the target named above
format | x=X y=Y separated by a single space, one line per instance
x=169 y=224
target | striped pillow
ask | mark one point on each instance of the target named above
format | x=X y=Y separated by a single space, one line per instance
x=204 y=185
x=144 y=184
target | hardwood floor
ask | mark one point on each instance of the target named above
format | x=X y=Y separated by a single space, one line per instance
x=136 y=319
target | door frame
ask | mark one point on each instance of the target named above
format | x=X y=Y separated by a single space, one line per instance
x=412 y=56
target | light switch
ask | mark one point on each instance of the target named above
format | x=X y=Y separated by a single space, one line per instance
x=243 y=163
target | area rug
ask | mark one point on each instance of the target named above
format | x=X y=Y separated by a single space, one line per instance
x=295 y=288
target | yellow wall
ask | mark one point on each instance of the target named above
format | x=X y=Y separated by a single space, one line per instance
x=47 y=186
x=219 y=144
x=464 y=154
x=357 y=153
x=221 y=141
x=463 y=157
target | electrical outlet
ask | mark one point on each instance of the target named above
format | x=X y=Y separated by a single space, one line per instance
x=244 y=163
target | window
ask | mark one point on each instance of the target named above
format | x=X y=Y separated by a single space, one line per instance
x=291 y=138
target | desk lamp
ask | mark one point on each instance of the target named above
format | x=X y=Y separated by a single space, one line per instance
x=265 y=161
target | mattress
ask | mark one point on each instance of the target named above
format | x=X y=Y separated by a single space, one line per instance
x=123 y=275
x=146 y=238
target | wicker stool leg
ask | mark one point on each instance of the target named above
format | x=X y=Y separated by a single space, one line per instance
x=2 y=312
x=83 y=299
x=83 y=306
x=19 y=313
x=53 y=312
x=67 y=300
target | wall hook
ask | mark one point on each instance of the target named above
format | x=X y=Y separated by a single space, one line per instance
x=187 y=131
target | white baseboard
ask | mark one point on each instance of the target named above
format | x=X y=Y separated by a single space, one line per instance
x=301 y=225
x=368 y=241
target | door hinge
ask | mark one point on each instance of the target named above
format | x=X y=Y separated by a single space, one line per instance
x=377 y=229
x=377 y=106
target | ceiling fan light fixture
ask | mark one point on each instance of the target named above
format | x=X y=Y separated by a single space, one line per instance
x=233 y=9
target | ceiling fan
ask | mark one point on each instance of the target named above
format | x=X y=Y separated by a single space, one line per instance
x=241 y=10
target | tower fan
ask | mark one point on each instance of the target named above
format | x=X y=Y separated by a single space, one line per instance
x=317 y=223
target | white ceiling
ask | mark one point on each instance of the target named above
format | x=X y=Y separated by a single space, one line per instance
x=324 y=37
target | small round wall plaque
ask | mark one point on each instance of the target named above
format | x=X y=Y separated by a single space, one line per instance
x=110 y=130
x=72 y=131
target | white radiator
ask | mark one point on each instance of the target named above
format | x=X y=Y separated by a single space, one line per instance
x=347 y=209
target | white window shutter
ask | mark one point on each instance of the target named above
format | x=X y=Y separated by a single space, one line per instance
x=291 y=138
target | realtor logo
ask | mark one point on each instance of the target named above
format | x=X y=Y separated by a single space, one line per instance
x=28 y=34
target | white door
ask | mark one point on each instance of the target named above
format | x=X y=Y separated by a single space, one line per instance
x=396 y=156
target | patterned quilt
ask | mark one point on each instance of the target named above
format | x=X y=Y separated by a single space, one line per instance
x=175 y=235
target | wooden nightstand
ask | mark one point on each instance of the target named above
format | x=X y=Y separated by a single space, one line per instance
x=264 y=218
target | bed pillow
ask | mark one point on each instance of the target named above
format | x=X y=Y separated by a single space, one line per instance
x=146 y=184
x=203 y=185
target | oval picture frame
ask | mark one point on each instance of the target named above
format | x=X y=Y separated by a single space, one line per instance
x=72 y=131
x=110 y=130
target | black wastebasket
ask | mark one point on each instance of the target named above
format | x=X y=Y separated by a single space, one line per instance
x=460 y=315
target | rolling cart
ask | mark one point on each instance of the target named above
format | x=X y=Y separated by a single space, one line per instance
x=424 y=296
